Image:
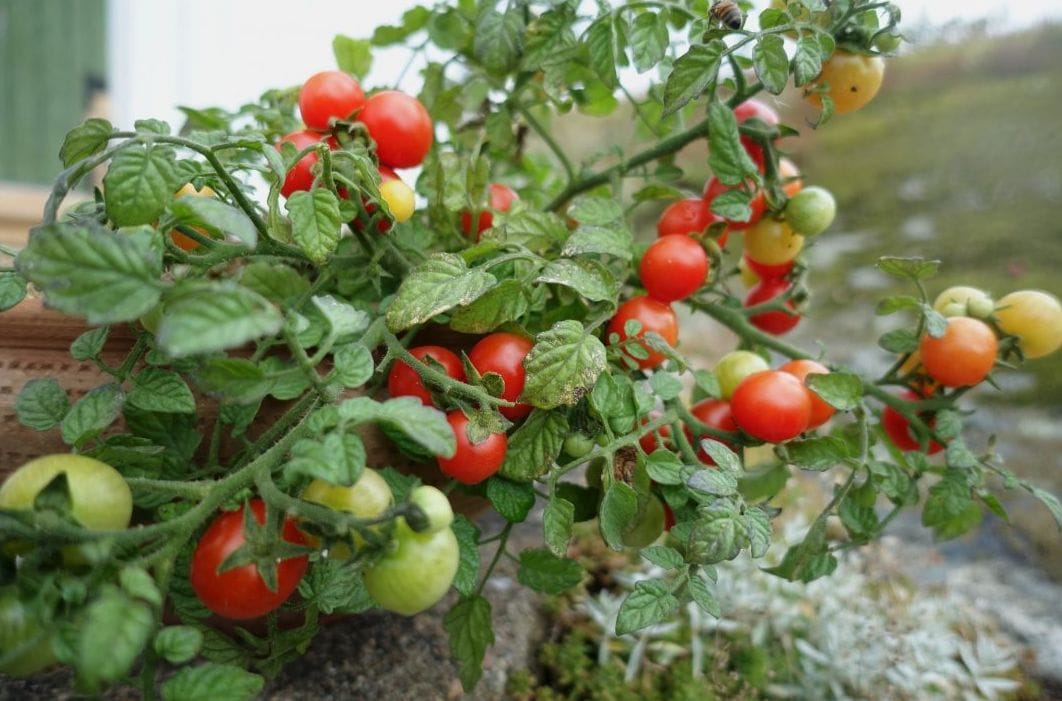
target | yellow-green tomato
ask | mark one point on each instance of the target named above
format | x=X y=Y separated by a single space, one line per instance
x=100 y=499
x=369 y=497
x=647 y=526
x=399 y=198
x=853 y=80
x=772 y=242
x=734 y=367
x=964 y=301
x=18 y=629
x=416 y=573
x=811 y=211
x=435 y=505
x=1035 y=317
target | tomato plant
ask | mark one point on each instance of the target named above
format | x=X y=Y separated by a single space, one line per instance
x=651 y=316
x=504 y=353
x=898 y=428
x=715 y=414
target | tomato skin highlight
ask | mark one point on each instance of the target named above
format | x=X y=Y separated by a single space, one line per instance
x=401 y=127
x=403 y=381
x=329 y=94
x=898 y=428
x=772 y=406
x=472 y=462
x=300 y=176
x=673 y=268
x=504 y=353
x=821 y=411
x=240 y=593
x=654 y=316
x=501 y=200
x=963 y=356
x=773 y=322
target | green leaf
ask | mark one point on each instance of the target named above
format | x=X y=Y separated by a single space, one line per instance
x=564 y=363
x=274 y=281
x=155 y=389
x=959 y=456
x=618 y=511
x=601 y=47
x=413 y=20
x=87 y=139
x=440 y=283
x=807 y=61
x=12 y=290
x=763 y=483
x=424 y=425
x=909 y=268
x=178 y=644
x=216 y=217
x=353 y=365
x=733 y=205
x=344 y=319
x=217 y=682
x=93 y=413
x=138 y=583
x=95 y=273
x=724 y=457
x=950 y=509
x=504 y=303
x=469 y=627
x=212 y=317
x=537 y=231
x=513 y=500
x=588 y=277
x=703 y=596
x=615 y=240
x=499 y=40
x=717 y=482
x=238 y=380
x=692 y=74
x=334 y=587
x=89 y=345
x=898 y=341
x=337 y=458
x=557 y=521
x=859 y=520
x=113 y=634
x=353 y=56
x=534 y=446
x=759 y=531
x=467 y=577
x=718 y=535
x=584 y=499
x=727 y=156
x=808 y=560
x=649 y=40
x=1049 y=500
x=771 y=62
x=140 y=182
x=666 y=385
x=841 y=390
x=41 y=404
x=595 y=210
x=663 y=556
x=651 y=602
x=545 y=572
x=614 y=402
x=891 y=305
x=820 y=453
x=936 y=324
x=315 y=222
x=664 y=467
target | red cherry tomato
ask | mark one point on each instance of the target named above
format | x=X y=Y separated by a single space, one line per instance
x=758 y=204
x=772 y=405
x=963 y=356
x=800 y=369
x=472 y=462
x=754 y=109
x=656 y=439
x=403 y=381
x=300 y=177
x=669 y=517
x=673 y=268
x=504 y=354
x=501 y=200
x=773 y=322
x=240 y=593
x=898 y=428
x=329 y=94
x=401 y=127
x=654 y=316
x=715 y=413
x=769 y=272
x=686 y=217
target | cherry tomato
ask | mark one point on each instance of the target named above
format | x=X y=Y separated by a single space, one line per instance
x=656 y=439
x=685 y=217
x=673 y=268
x=399 y=198
x=654 y=316
x=758 y=204
x=789 y=174
x=734 y=367
x=100 y=499
x=762 y=271
x=964 y=301
x=647 y=525
x=714 y=413
x=403 y=381
x=772 y=405
x=1033 y=316
x=501 y=200
x=853 y=80
x=749 y=277
x=810 y=211
x=19 y=627
x=772 y=242
x=821 y=411
x=898 y=428
x=775 y=321
x=401 y=127
x=504 y=354
x=576 y=445
x=436 y=507
x=300 y=176
x=416 y=573
x=329 y=94
x=754 y=109
x=369 y=497
x=472 y=462
x=240 y=593
x=963 y=356
x=184 y=242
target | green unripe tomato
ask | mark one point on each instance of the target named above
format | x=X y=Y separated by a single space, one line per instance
x=100 y=499
x=436 y=507
x=811 y=211
x=369 y=497
x=647 y=526
x=964 y=301
x=887 y=43
x=734 y=367
x=576 y=445
x=416 y=573
x=18 y=628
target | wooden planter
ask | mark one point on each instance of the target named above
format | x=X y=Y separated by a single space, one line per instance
x=35 y=343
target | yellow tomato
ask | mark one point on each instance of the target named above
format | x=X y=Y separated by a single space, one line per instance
x=1033 y=316
x=772 y=242
x=853 y=80
x=399 y=198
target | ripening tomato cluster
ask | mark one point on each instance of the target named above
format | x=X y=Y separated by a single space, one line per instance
x=500 y=353
x=398 y=124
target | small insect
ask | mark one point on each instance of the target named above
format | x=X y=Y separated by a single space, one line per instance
x=728 y=13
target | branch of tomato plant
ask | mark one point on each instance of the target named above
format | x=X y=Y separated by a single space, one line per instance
x=699 y=427
x=503 y=540
x=665 y=419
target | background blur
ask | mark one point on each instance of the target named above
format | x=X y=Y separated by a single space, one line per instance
x=960 y=157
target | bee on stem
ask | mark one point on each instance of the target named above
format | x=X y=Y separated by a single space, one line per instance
x=727 y=13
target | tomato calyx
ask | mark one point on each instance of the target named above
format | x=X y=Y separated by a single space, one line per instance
x=262 y=547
